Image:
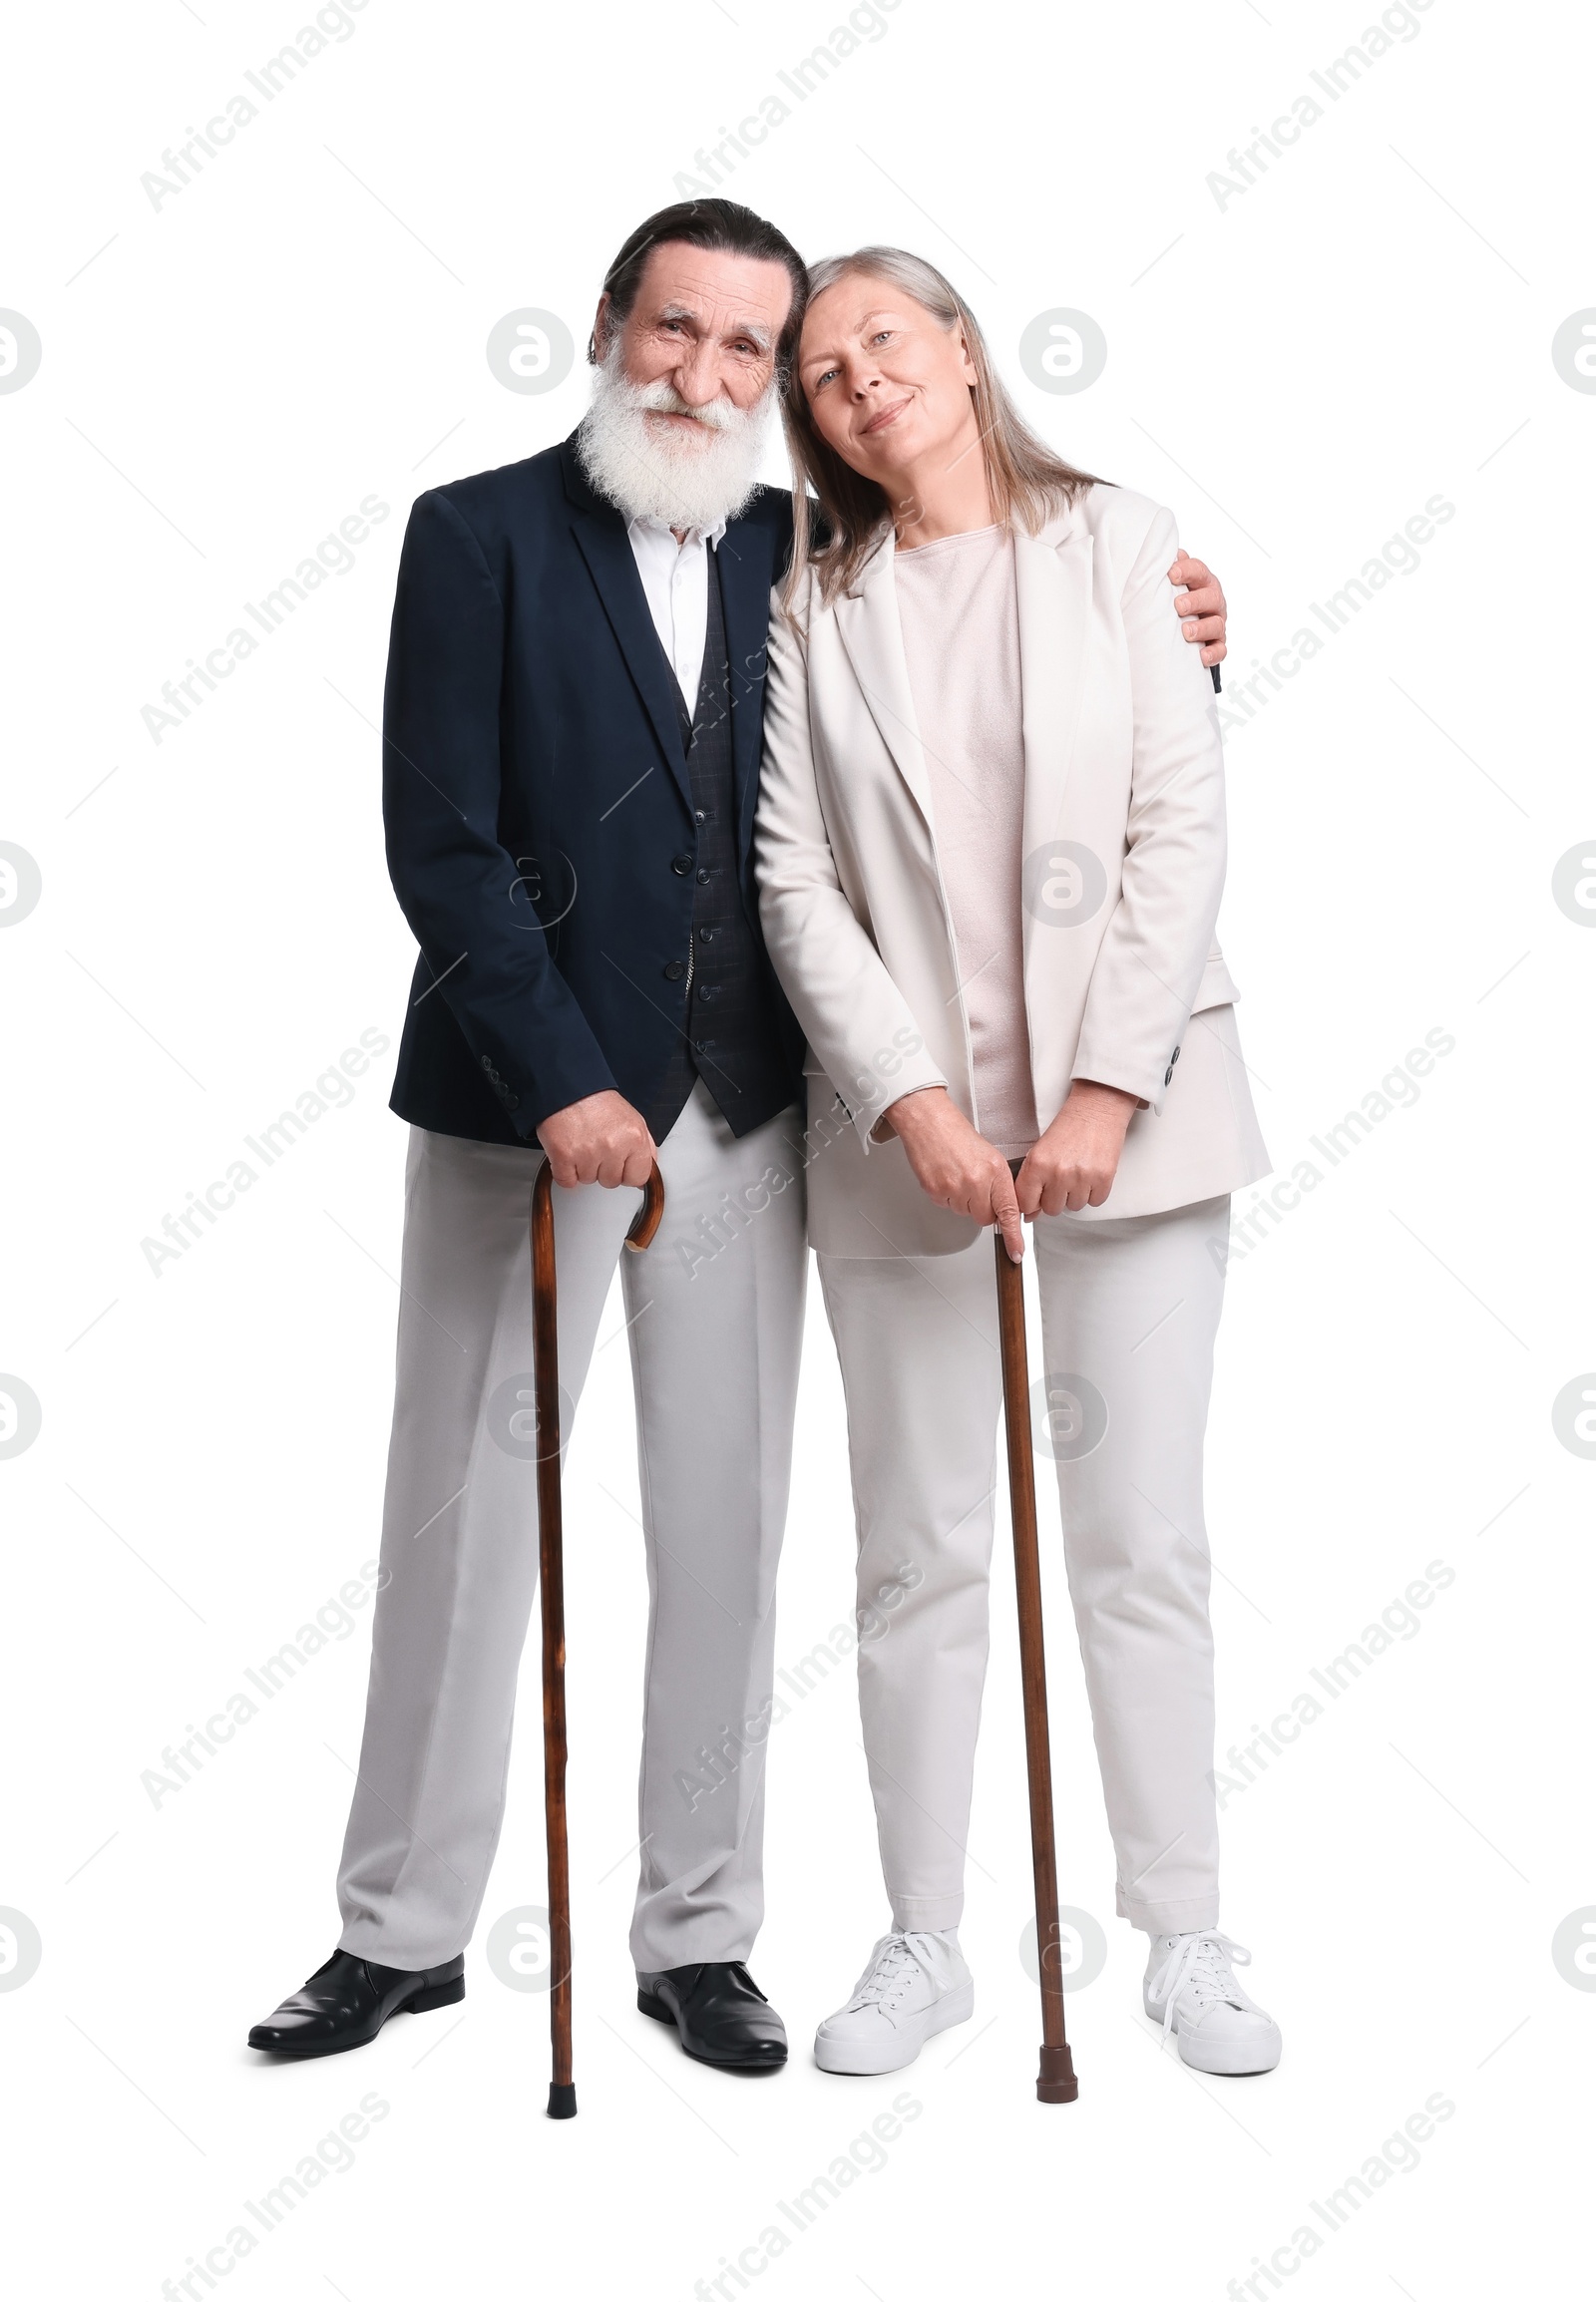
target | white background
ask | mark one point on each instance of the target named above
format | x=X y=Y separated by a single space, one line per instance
x=1297 y=372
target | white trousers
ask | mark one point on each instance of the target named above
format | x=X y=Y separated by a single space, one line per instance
x=1130 y=1312
x=715 y=1317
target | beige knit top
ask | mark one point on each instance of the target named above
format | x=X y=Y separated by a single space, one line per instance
x=960 y=616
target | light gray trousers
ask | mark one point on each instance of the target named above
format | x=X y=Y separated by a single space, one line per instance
x=715 y=1317
x=1130 y=1311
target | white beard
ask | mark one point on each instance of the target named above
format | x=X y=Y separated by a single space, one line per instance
x=685 y=483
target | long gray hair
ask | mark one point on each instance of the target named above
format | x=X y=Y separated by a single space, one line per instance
x=834 y=528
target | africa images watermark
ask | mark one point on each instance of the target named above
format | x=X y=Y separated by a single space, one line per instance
x=1398 y=1090
x=1398 y=2155
x=866 y=25
x=1398 y=22
x=333 y=555
x=865 y=2155
x=332 y=1091
x=1398 y=1620
x=334 y=25
x=334 y=1622
x=713 y=1234
x=1245 y=697
x=717 y=1762
x=333 y=2154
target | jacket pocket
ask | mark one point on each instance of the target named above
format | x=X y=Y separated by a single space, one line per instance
x=1218 y=987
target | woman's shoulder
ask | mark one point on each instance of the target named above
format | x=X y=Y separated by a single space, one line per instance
x=795 y=603
x=1120 y=519
x=819 y=587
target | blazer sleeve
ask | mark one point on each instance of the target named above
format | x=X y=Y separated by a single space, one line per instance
x=1159 y=937
x=458 y=886
x=857 y=1022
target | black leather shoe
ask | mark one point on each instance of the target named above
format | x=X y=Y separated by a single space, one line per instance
x=346 y=2002
x=721 y=2015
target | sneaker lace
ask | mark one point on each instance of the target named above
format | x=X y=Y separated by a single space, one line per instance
x=1199 y=1967
x=894 y=1963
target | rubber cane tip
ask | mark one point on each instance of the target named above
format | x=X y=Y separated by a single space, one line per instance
x=562 y=2101
x=1057 y=2082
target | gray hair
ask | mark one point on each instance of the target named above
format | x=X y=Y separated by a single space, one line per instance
x=1027 y=481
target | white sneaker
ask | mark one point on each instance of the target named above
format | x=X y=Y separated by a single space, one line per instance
x=1217 y=2026
x=915 y=1986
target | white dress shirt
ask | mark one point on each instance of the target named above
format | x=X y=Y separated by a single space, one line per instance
x=675 y=583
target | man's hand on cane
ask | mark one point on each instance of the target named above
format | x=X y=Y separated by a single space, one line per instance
x=601 y=1139
x=953 y=1165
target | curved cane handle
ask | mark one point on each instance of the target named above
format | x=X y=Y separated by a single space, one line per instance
x=646 y=1220
x=644 y=1224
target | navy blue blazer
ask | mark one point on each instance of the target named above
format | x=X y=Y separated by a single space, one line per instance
x=537 y=800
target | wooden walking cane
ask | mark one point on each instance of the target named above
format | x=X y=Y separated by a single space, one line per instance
x=1056 y=2081
x=551 y=1569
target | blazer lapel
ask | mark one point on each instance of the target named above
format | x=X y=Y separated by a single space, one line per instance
x=1052 y=583
x=743 y=557
x=868 y=627
x=600 y=535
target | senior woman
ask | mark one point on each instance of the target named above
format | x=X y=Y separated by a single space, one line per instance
x=991 y=846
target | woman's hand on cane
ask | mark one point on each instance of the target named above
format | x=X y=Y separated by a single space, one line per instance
x=953 y=1165
x=1076 y=1162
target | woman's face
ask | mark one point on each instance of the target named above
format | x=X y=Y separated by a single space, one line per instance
x=886 y=385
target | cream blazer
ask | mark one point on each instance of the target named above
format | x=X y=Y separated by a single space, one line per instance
x=1124 y=860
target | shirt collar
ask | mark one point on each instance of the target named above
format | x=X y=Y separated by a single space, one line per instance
x=710 y=536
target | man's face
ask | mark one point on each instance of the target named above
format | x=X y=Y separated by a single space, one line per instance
x=705 y=324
